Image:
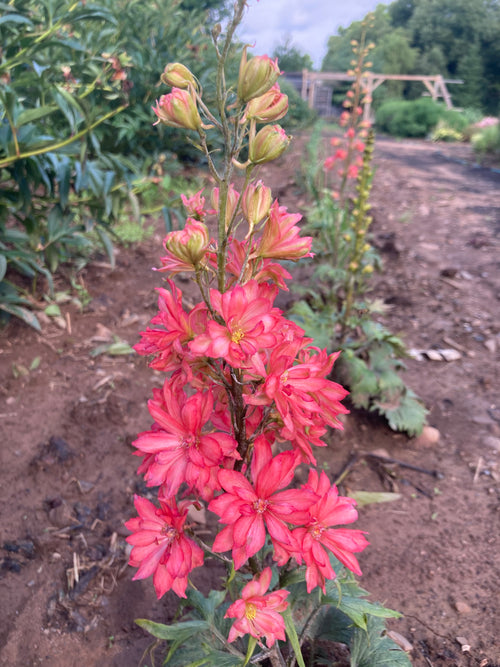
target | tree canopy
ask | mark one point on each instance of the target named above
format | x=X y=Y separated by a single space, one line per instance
x=455 y=38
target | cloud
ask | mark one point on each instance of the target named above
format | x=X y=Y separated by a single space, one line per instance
x=309 y=24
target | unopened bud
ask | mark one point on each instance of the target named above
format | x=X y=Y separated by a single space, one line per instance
x=231 y=203
x=178 y=109
x=256 y=76
x=177 y=75
x=256 y=203
x=268 y=144
x=269 y=107
x=189 y=245
x=367 y=269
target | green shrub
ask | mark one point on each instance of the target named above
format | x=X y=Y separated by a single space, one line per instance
x=299 y=114
x=487 y=140
x=402 y=118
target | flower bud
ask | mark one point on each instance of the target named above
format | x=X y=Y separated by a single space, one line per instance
x=256 y=76
x=256 y=203
x=269 y=107
x=268 y=144
x=178 y=109
x=231 y=204
x=195 y=205
x=177 y=75
x=189 y=245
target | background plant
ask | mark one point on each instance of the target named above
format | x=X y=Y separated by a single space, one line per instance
x=239 y=379
x=335 y=310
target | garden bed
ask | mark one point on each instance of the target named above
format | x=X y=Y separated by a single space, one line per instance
x=69 y=412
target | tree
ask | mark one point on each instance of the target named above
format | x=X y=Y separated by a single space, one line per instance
x=290 y=58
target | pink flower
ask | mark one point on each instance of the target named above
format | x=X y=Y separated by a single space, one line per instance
x=249 y=319
x=168 y=344
x=248 y=510
x=269 y=107
x=329 y=510
x=195 y=205
x=305 y=400
x=183 y=452
x=258 y=614
x=281 y=237
x=160 y=547
x=233 y=198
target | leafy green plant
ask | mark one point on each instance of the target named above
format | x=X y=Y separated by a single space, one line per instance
x=403 y=118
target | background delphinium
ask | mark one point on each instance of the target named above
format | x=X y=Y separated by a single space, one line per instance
x=335 y=309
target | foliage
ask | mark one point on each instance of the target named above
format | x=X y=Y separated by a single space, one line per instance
x=334 y=310
x=291 y=58
x=455 y=38
x=342 y=614
x=403 y=118
x=75 y=98
x=487 y=140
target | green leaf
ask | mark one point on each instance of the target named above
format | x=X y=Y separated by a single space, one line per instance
x=3 y=266
x=372 y=648
x=357 y=608
x=15 y=18
x=53 y=310
x=403 y=411
x=22 y=313
x=179 y=632
x=293 y=637
x=30 y=115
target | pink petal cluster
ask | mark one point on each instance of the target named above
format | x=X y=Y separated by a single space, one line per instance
x=318 y=534
x=258 y=614
x=160 y=547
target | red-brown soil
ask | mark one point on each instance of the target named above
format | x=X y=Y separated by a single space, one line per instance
x=67 y=473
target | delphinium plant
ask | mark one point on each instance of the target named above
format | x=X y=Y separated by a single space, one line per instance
x=245 y=401
x=336 y=311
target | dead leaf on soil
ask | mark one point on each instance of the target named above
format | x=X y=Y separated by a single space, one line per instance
x=363 y=498
x=444 y=354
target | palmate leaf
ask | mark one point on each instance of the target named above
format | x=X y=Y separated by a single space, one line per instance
x=403 y=411
x=372 y=648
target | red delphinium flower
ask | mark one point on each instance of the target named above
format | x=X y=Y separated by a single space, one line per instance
x=183 y=452
x=261 y=270
x=258 y=614
x=305 y=400
x=168 y=344
x=281 y=237
x=249 y=319
x=329 y=510
x=248 y=510
x=160 y=547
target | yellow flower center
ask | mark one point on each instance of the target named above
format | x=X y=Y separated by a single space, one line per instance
x=237 y=335
x=250 y=611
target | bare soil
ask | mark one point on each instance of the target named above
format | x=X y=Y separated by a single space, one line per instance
x=67 y=473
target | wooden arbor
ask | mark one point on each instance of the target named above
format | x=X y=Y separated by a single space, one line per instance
x=312 y=81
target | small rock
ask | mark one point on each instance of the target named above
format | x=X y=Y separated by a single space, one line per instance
x=401 y=641
x=429 y=436
x=462 y=607
x=491 y=345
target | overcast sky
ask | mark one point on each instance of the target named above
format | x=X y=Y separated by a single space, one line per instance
x=309 y=23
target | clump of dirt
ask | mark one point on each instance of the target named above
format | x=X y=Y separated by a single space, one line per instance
x=67 y=474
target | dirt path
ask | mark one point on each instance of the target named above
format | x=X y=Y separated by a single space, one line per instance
x=67 y=475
